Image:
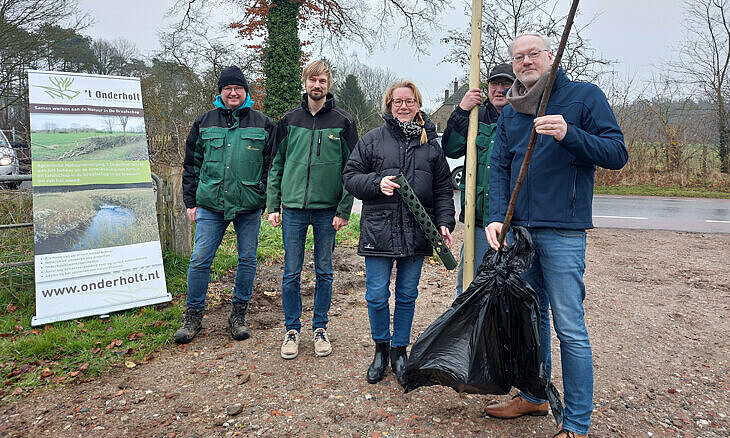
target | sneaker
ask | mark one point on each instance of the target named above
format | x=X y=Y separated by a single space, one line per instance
x=322 y=346
x=290 y=347
x=190 y=327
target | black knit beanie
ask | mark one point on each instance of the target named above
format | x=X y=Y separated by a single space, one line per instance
x=232 y=76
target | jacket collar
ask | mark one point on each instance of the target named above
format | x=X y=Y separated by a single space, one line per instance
x=329 y=103
x=427 y=124
x=247 y=104
x=491 y=109
x=528 y=101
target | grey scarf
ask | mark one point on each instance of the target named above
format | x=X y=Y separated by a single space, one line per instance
x=410 y=129
x=524 y=101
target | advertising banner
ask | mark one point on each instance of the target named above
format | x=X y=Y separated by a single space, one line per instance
x=97 y=248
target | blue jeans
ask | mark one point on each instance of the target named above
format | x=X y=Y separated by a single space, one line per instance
x=556 y=275
x=480 y=248
x=294 y=226
x=208 y=236
x=377 y=294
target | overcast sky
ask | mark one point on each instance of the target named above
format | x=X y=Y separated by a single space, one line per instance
x=639 y=34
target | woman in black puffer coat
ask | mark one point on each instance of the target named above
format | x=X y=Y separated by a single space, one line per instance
x=388 y=231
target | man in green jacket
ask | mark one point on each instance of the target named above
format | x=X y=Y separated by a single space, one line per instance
x=224 y=179
x=454 y=145
x=311 y=146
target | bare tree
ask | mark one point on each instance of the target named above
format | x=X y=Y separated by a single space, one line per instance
x=333 y=23
x=20 y=20
x=109 y=123
x=502 y=20
x=112 y=57
x=123 y=121
x=373 y=80
x=703 y=61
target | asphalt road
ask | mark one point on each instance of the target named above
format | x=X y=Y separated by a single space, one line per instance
x=652 y=213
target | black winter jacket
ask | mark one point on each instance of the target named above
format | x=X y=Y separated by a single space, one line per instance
x=387 y=227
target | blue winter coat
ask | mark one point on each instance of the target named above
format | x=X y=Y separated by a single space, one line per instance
x=558 y=188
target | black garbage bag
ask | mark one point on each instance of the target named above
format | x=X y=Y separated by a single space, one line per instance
x=488 y=341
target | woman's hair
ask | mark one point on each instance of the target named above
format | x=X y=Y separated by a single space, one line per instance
x=388 y=99
x=316 y=68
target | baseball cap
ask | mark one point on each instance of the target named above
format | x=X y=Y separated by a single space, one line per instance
x=502 y=71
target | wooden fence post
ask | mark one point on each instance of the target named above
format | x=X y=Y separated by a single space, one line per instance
x=174 y=223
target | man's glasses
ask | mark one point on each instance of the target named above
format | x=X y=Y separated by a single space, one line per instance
x=399 y=102
x=533 y=55
x=230 y=89
x=504 y=84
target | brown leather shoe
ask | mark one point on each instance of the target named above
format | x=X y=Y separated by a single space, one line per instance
x=568 y=434
x=516 y=407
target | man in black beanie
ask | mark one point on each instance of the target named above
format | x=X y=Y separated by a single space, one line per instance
x=224 y=179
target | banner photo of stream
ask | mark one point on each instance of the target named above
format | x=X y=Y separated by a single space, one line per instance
x=97 y=246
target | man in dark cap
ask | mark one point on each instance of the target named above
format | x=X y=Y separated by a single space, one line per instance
x=224 y=180
x=454 y=145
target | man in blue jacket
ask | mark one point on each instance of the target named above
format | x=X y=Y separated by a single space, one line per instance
x=578 y=133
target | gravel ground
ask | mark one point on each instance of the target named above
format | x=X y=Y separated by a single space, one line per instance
x=657 y=308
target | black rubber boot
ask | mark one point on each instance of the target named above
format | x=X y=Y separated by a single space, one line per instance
x=191 y=326
x=377 y=369
x=398 y=359
x=237 y=321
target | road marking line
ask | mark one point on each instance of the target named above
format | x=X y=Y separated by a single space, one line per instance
x=621 y=217
x=717 y=222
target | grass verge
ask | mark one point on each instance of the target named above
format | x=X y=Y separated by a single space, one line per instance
x=81 y=349
x=647 y=190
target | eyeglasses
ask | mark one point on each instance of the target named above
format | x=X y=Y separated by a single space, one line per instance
x=533 y=55
x=398 y=102
x=231 y=88
x=504 y=83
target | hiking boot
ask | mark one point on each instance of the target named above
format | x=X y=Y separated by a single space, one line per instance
x=398 y=358
x=516 y=407
x=290 y=347
x=322 y=346
x=568 y=434
x=190 y=327
x=378 y=367
x=237 y=321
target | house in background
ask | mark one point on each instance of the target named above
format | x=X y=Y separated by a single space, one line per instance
x=442 y=113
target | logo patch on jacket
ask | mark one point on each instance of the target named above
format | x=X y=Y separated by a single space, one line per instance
x=251 y=148
x=332 y=137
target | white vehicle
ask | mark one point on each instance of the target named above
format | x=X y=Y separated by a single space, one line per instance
x=8 y=162
x=456 y=165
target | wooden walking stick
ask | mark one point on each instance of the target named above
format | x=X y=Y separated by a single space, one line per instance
x=540 y=113
x=470 y=166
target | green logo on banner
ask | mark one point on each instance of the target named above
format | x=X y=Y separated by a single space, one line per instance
x=61 y=88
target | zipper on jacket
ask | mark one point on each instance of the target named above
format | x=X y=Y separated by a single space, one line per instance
x=319 y=143
x=309 y=162
x=529 y=195
x=575 y=183
x=404 y=246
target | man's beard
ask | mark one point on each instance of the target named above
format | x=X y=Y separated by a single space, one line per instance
x=316 y=98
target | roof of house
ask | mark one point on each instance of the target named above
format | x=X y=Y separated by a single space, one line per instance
x=456 y=97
